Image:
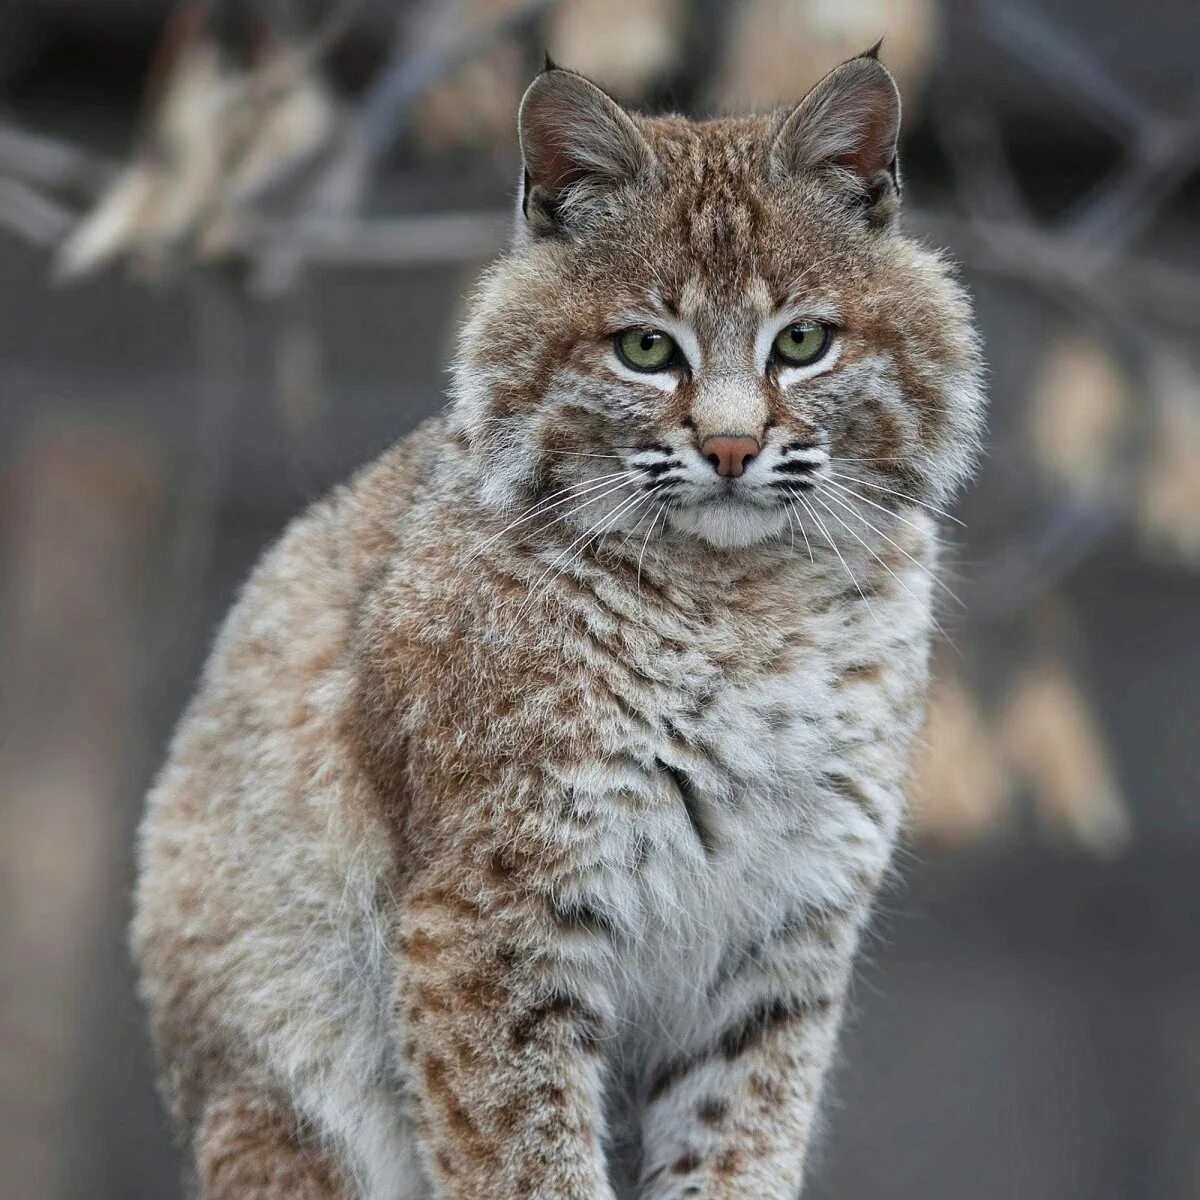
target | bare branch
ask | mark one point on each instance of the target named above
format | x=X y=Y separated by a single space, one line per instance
x=49 y=163
x=1161 y=161
x=401 y=81
x=381 y=242
x=1056 y=263
x=1063 y=64
x=32 y=217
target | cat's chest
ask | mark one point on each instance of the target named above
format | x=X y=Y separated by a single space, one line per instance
x=711 y=818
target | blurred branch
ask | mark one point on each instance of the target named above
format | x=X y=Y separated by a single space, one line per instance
x=1063 y=64
x=52 y=164
x=983 y=177
x=1031 y=566
x=402 y=80
x=1162 y=151
x=1054 y=263
x=221 y=324
x=32 y=217
x=1162 y=158
x=381 y=242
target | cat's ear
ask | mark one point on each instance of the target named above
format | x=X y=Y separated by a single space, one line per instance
x=847 y=125
x=577 y=143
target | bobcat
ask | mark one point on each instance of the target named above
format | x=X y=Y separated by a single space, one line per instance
x=519 y=837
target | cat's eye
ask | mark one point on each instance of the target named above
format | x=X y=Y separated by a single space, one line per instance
x=646 y=349
x=804 y=343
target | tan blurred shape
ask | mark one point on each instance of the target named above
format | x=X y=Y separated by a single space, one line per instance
x=628 y=45
x=77 y=515
x=218 y=137
x=1079 y=418
x=779 y=48
x=960 y=789
x=475 y=107
x=1046 y=741
x=1057 y=749
x=1168 y=499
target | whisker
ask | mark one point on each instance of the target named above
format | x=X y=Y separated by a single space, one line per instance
x=837 y=550
x=542 y=506
x=862 y=541
x=662 y=508
x=883 y=508
x=903 y=496
x=919 y=565
x=581 y=541
x=581 y=453
x=803 y=532
x=647 y=499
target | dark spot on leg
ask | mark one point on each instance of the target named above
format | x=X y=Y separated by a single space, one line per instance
x=764 y=1019
x=727 y=1163
x=559 y=1007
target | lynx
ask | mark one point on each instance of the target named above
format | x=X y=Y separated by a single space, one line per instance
x=519 y=837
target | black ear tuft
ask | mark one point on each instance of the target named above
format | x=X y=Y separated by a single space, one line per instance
x=873 y=52
x=548 y=63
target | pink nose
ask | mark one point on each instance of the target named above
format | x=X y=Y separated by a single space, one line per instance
x=729 y=453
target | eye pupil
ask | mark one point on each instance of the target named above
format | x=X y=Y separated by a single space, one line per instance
x=648 y=340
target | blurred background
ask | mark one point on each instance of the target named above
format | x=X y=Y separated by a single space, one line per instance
x=234 y=239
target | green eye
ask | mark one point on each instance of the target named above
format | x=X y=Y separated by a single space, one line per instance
x=804 y=343
x=646 y=349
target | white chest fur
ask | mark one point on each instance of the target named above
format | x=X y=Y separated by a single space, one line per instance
x=715 y=827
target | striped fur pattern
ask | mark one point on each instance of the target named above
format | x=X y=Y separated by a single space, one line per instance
x=519 y=837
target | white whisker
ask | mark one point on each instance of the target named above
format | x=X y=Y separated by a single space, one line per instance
x=662 y=508
x=862 y=542
x=542 y=506
x=582 y=541
x=903 y=496
x=803 y=531
x=883 y=508
x=647 y=499
x=896 y=545
x=837 y=550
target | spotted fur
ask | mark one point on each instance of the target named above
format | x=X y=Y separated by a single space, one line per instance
x=518 y=839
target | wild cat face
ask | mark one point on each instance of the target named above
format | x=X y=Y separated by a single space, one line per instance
x=712 y=327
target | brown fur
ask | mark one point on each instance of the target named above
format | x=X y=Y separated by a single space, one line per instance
x=508 y=834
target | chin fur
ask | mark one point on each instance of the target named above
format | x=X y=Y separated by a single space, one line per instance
x=729 y=526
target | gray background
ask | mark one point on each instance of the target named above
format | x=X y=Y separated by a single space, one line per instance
x=1026 y=1022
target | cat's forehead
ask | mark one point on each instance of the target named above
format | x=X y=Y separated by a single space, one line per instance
x=697 y=151
x=716 y=232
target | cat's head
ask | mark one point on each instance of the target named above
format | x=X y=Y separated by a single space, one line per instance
x=701 y=321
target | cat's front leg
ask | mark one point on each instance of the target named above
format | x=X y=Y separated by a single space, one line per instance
x=505 y=1062
x=735 y=1119
x=732 y=1118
